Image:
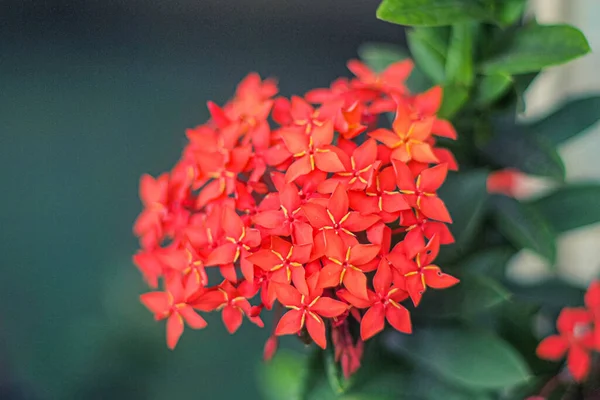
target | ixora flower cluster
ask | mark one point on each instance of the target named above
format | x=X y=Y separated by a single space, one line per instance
x=578 y=335
x=297 y=203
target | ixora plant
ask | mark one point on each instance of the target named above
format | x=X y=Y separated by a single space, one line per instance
x=345 y=210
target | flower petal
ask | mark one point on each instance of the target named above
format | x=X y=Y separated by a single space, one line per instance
x=328 y=161
x=316 y=329
x=356 y=282
x=174 y=330
x=552 y=348
x=191 y=318
x=232 y=318
x=432 y=178
x=338 y=203
x=399 y=318
x=300 y=167
x=383 y=277
x=372 y=322
x=328 y=307
x=329 y=276
x=264 y=259
x=434 y=208
x=156 y=302
x=436 y=279
x=358 y=223
x=290 y=323
x=363 y=253
x=287 y=294
x=316 y=215
x=578 y=361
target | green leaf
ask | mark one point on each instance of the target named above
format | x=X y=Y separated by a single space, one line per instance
x=527 y=153
x=459 y=61
x=473 y=295
x=553 y=293
x=510 y=11
x=433 y=12
x=379 y=56
x=572 y=118
x=524 y=227
x=491 y=262
x=491 y=88
x=455 y=97
x=283 y=377
x=570 y=207
x=463 y=356
x=536 y=47
x=522 y=84
x=428 y=47
x=338 y=383
x=467 y=211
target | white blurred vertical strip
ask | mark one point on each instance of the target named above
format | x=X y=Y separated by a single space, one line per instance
x=579 y=251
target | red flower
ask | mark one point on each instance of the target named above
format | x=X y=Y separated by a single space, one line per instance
x=336 y=219
x=420 y=273
x=238 y=241
x=287 y=219
x=358 y=167
x=504 y=181
x=232 y=304
x=285 y=261
x=391 y=79
x=422 y=194
x=381 y=197
x=346 y=265
x=383 y=305
x=289 y=200
x=574 y=337
x=409 y=139
x=311 y=151
x=172 y=304
x=592 y=302
x=306 y=311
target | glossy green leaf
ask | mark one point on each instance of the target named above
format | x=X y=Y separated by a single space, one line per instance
x=521 y=85
x=536 y=47
x=510 y=11
x=459 y=60
x=555 y=293
x=283 y=377
x=473 y=295
x=491 y=88
x=570 y=207
x=463 y=356
x=428 y=47
x=455 y=97
x=490 y=262
x=527 y=153
x=433 y=12
x=467 y=211
x=572 y=118
x=524 y=227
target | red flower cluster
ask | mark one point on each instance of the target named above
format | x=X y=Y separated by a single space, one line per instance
x=297 y=202
x=578 y=335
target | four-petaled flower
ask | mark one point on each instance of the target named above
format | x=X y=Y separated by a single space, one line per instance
x=416 y=271
x=575 y=336
x=306 y=310
x=347 y=265
x=172 y=305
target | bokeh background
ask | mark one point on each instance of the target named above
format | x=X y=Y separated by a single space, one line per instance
x=95 y=93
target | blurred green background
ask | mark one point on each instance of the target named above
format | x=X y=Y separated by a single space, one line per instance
x=92 y=95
